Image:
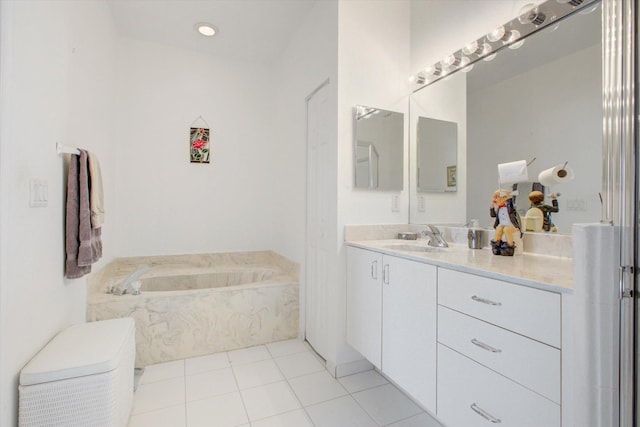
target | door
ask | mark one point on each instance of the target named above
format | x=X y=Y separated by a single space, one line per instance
x=364 y=303
x=409 y=327
x=318 y=246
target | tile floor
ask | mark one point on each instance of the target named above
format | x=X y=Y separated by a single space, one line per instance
x=281 y=384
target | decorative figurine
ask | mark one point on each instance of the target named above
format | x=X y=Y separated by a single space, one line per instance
x=507 y=222
x=537 y=201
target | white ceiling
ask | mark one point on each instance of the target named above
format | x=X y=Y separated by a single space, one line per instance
x=254 y=30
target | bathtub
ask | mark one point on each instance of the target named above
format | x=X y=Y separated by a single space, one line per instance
x=192 y=305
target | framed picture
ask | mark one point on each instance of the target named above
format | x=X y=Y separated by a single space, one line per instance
x=452 y=179
x=199 y=145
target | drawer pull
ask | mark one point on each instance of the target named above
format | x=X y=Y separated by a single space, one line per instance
x=484 y=414
x=485 y=301
x=385 y=274
x=485 y=346
x=374 y=270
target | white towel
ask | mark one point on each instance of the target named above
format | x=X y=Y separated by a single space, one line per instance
x=96 y=196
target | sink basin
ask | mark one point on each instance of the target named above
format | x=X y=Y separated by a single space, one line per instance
x=415 y=248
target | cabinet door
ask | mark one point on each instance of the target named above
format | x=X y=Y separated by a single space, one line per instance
x=364 y=303
x=409 y=327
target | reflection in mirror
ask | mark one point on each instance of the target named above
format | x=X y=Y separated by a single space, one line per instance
x=543 y=101
x=379 y=149
x=445 y=101
x=437 y=155
x=366 y=164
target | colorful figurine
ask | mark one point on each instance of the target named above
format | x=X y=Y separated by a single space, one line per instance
x=537 y=201
x=506 y=224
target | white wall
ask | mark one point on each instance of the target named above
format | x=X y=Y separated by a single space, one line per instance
x=56 y=85
x=308 y=61
x=373 y=70
x=166 y=205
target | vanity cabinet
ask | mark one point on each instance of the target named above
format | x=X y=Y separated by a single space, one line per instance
x=499 y=355
x=391 y=319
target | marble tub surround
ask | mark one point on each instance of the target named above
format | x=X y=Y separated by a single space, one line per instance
x=253 y=299
x=550 y=244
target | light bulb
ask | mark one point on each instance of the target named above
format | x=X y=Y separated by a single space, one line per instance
x=490 y=57
x=516 y=45
x=531 y=14
x=206 y=29
x=434 y=70
x=465 y=64
x=511 y=36
x=450 y=61
x=471 y=48
x=486 y=49
x=496 y=34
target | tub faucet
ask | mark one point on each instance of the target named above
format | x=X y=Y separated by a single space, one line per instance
x=128 y=284
x=435 y=237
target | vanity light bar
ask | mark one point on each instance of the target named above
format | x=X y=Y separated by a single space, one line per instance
x=509 y=35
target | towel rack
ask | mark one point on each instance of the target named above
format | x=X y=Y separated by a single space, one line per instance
x=65 y=149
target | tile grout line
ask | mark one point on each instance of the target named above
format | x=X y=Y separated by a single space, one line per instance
x=361 y=407
x=184 y=373
x=286 y=380
x=244 y=405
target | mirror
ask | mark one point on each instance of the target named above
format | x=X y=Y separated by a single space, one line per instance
x=379 y=149
x=437 y=155
x=543 y=101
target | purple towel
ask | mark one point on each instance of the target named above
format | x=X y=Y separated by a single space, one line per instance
x=83 y=244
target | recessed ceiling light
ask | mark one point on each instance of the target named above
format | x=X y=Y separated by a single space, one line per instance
x=206 y=29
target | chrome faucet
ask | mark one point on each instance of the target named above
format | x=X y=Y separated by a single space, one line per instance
x=435 y=237
x=128 y=285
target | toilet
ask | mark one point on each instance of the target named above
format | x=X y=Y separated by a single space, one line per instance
x=83 y=376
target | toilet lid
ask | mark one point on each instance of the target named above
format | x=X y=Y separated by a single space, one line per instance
x=80 y=350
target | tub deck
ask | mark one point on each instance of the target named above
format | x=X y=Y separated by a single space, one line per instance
x=193 y=305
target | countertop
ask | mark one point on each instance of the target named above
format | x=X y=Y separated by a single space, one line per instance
x=544 y=272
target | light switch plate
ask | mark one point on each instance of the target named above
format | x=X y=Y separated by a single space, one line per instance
x=395 y=203
x=38 y=193
x=422 y=207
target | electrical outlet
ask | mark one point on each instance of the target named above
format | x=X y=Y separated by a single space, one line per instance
x=576 y=205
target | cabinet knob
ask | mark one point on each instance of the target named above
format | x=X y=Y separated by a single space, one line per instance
x=484 y=414
x=385 y=274
x=485 y=301
x=485 y=346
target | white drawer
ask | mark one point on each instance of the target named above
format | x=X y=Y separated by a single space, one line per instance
x=528 y=362
x=531 y=312
x=469 y=392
